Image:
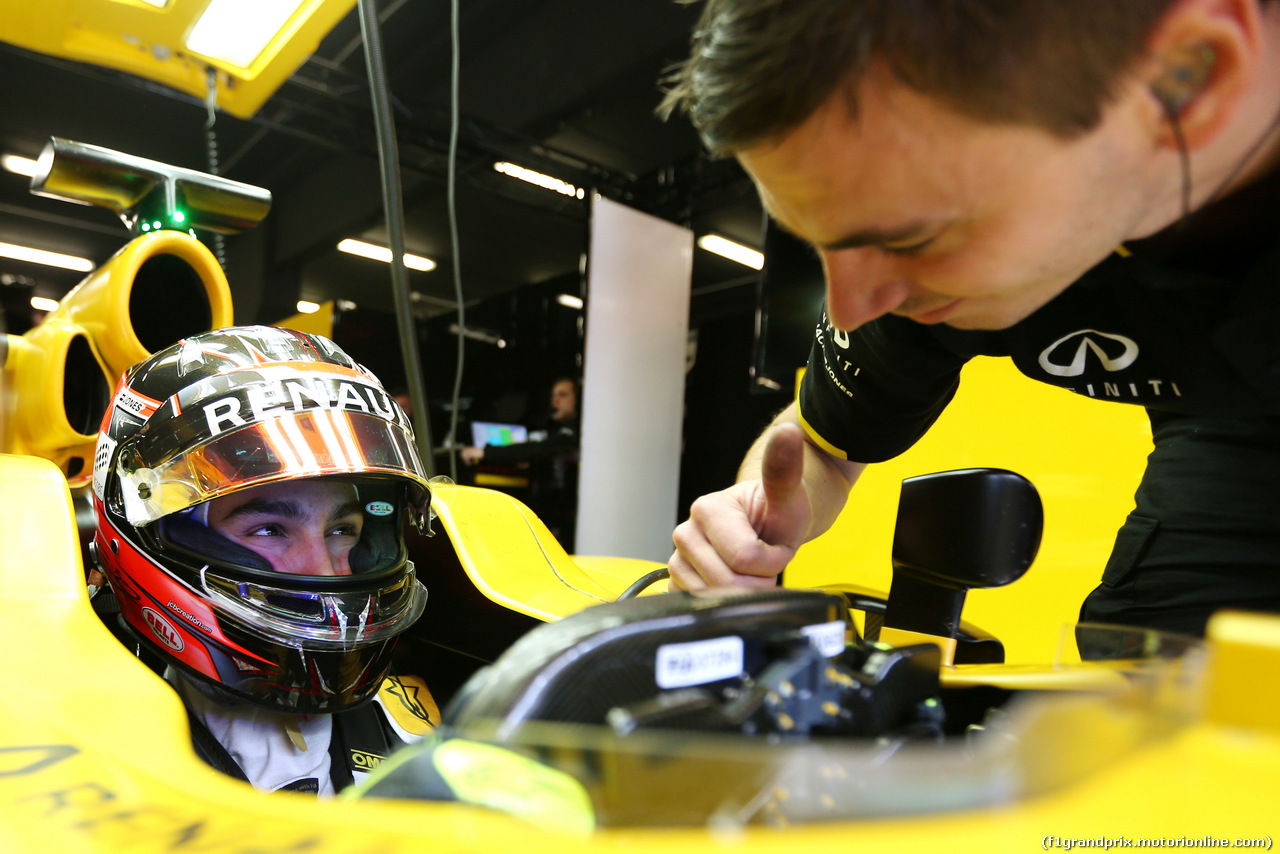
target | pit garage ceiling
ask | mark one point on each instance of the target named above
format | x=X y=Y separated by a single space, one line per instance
x=564 y=87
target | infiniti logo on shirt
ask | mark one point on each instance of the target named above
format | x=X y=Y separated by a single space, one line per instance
x=1067 y=356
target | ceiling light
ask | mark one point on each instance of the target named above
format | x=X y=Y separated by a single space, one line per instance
x=50 y=259
x=569 y=300
x=733 y=251
x=236 y=32
x=43 y=303
x=538 y=178
x=381 y=253
x=307 y=307
x=19 y=164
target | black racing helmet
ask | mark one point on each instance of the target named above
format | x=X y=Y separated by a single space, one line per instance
x=233 y=410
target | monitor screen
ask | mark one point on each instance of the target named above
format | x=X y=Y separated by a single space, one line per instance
x=493 y=433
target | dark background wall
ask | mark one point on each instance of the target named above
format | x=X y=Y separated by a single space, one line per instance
x=725 y=408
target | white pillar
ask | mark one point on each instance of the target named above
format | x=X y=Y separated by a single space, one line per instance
x=637 y=319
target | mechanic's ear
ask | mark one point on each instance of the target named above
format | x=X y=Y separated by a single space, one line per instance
x=1204 y=56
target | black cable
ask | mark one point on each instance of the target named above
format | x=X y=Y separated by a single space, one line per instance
x=1184 y=158
x=452 y=182
x=393 y=204
x=644 y=581
x=211 y=151
x=1244 y=161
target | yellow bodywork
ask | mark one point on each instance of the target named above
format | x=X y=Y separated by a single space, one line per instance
x=318 y=322
x=1085 y=458
x=94 y=750
x=524 y=568
x=146 y=40
x=96 y=314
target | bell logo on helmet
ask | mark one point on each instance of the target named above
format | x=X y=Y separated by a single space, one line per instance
x=379 y=508
x=163 y=630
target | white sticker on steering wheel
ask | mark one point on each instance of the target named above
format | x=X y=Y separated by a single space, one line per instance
x=680 y=665
x=827 y=638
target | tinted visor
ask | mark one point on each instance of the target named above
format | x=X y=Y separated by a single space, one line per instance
x=322 y=615
x=301 y=444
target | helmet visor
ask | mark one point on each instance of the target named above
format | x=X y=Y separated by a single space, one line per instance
x=319 y=618
x=301 y=444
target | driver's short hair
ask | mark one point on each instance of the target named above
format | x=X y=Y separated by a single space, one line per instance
x=758 y=68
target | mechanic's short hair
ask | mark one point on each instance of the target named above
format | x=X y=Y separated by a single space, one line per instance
x=758 y=68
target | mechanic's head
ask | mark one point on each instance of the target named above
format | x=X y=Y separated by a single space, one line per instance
x=564 y=399
x=759 y=68
x=963 y=162
x=251 y=485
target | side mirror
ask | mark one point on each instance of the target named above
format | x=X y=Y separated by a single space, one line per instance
x=958 y=530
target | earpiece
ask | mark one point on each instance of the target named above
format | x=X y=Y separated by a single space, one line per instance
x=1189 y=69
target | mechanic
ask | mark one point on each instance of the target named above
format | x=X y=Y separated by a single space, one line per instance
x=1086 y=187
x=552 y=457
x=250 y=486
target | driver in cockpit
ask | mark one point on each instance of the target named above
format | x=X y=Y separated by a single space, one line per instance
x=250 y=486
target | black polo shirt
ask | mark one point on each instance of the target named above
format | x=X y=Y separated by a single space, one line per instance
x=1185 y=323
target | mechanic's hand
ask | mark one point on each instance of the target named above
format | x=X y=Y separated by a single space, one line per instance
x=745 y=535
x=471 y=455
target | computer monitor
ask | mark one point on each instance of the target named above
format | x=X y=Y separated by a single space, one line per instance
x=495 y=433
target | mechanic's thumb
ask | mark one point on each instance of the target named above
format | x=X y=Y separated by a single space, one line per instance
x=781 y=474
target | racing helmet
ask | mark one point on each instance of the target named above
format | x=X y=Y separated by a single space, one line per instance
x=233 y=410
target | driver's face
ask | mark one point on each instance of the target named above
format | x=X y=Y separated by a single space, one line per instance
x=918 y=211
x=303 y=527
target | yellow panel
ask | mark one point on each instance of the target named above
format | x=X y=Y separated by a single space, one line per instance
x=1084 y=456
x=100 y=303
x=1095 y=676
x=616 y=574
x=510 y=556
x=98 y=311
x=494 y=481
x=146 y=41
x=904 y=637
x=1244 y=688
x=316 y=323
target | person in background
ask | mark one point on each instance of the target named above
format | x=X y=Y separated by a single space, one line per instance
x=250 y=486
x=551 y=455
x=1086 y=187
